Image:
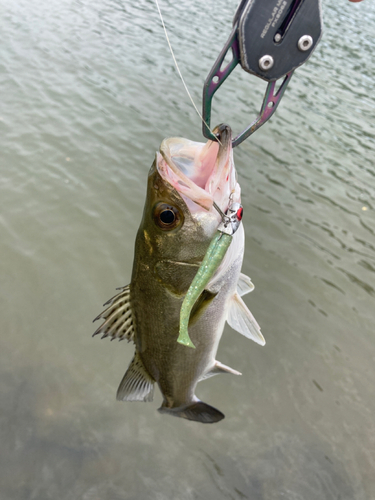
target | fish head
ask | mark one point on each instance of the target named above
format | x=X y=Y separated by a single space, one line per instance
x=184 y=182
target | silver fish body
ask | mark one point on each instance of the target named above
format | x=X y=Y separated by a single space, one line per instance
x=177 y=227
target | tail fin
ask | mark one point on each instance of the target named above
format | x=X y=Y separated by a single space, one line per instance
x=199 y=412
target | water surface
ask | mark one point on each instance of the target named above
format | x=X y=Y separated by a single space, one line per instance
x=89 y=91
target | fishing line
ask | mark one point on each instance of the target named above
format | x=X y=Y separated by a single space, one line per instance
x=179 y=72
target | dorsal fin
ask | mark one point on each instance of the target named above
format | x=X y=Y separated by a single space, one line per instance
x=244 y=285
x=241 y=319
x=219 y=368
x=137 y=384
x=118 y=317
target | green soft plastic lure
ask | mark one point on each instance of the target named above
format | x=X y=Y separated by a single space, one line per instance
x=211 y=261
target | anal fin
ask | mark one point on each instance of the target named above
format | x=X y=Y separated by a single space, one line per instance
x=137 y=384
x=219 y=368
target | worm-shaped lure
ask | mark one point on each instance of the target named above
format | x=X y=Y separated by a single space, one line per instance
x=211 y=261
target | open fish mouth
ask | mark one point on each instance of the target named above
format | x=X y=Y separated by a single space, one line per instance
x=201 y=173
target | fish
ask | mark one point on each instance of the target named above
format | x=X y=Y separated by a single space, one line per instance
x=186 y=181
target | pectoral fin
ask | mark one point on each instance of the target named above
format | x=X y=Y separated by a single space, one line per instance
x=118 y=317
x=219 y=368
x=137 y=384
x=241 y=319
x=244 y=285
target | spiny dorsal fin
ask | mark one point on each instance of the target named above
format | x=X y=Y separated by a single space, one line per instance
x=241 y=319
x=244 y=285
x=219 y=368
x=118 y=317
x=137 y=384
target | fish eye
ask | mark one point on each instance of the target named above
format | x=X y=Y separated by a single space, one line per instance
x=167 y=217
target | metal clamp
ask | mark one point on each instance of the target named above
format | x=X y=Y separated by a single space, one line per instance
x=269 y=39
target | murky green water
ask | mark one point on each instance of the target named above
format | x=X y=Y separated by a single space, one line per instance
x=88 y=92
